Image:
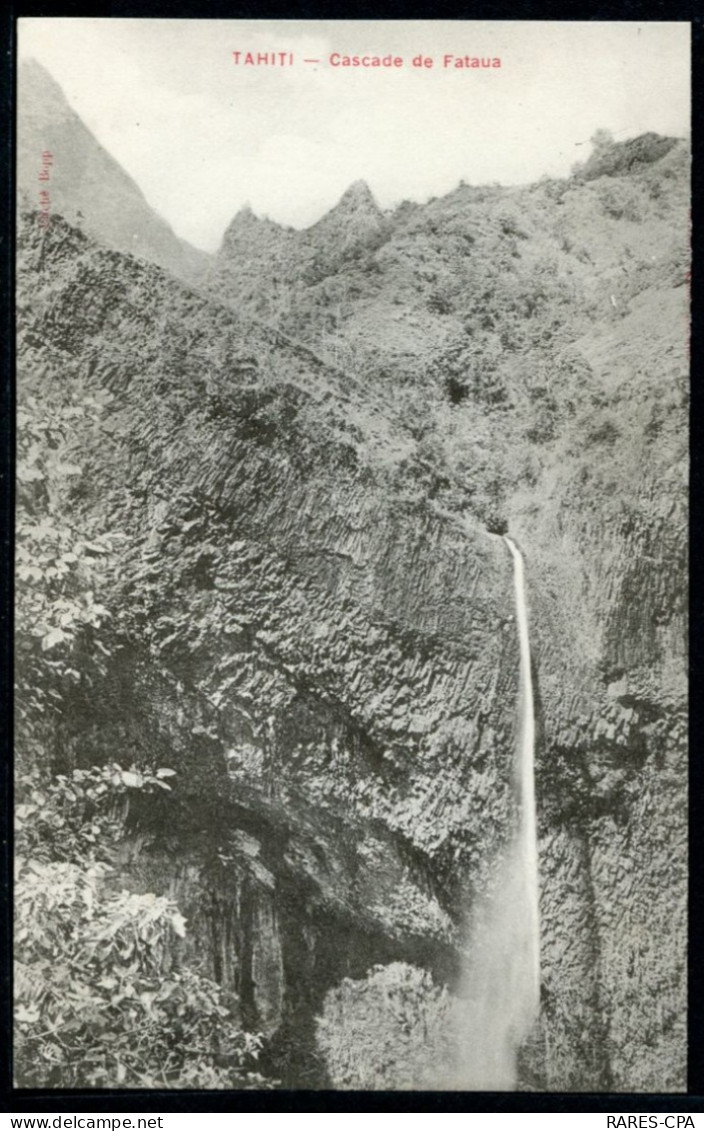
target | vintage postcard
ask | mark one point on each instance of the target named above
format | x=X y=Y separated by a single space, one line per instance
x=351 y=568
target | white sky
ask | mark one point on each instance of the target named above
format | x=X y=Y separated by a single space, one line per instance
x=202 y=136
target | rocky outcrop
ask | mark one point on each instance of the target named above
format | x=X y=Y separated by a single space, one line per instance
x=355 y=225
x=86 y=185
x=626 y=156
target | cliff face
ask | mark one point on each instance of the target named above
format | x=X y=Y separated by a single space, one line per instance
x=314 y=618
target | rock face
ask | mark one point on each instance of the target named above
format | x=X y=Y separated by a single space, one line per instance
x=255 y=254
x=354 y=225
x=314 y=618
x=626 y=156
x=86 y=184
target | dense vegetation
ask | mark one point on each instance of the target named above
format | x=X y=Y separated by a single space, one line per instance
x=265 y=652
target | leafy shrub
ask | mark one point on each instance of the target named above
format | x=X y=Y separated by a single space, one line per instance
x=439 y=303
x=60 y=564
x=605 y=432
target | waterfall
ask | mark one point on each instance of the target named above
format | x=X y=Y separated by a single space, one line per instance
x=527 y=833
x=500 y=994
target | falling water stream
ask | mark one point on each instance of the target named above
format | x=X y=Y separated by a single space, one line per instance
x=500 y=995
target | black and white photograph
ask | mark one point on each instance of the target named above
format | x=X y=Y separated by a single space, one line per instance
x=351 y=570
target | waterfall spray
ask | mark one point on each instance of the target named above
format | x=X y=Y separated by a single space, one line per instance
x=500 y=994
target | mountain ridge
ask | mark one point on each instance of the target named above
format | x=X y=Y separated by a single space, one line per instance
x=312 y=617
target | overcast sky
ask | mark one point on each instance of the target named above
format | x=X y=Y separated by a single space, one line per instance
x=201 y=136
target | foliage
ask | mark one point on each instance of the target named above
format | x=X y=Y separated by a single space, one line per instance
x=601 y=141
x=101 y=998
x=389 y=1030
x=80 y=815
x=610 y=158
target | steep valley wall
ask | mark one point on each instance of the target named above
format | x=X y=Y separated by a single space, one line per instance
x=324 y=649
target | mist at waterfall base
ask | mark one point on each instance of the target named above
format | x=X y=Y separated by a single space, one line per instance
x=499 y=996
